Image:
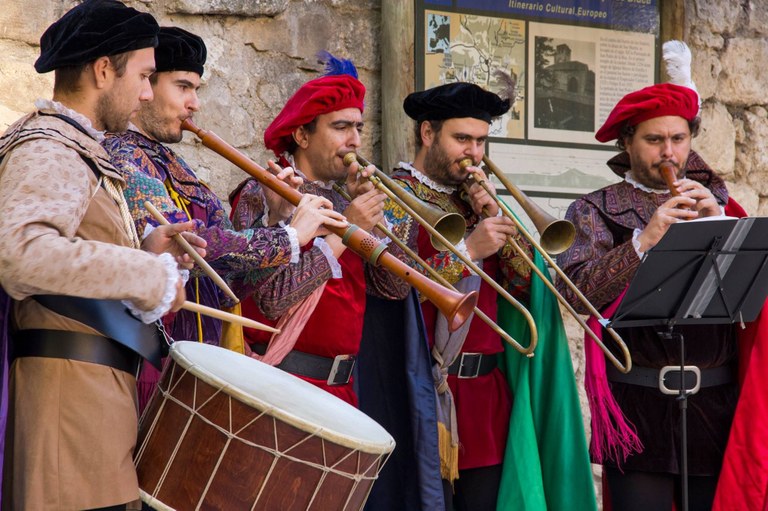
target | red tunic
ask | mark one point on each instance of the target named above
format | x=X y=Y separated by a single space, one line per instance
x=483 y=404
x=334 y=328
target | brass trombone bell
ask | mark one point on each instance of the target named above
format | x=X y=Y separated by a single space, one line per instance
x=452 y=226
x=437 y=236
x=624 y=367
x=555 y=235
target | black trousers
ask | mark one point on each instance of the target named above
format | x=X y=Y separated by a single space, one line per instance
x=476 y=489
x=651 y=491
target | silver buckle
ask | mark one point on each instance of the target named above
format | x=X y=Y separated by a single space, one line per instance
x=666 y=390
x=335 y=369
x=476 y=373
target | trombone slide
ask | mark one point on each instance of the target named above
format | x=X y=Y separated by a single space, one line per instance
x=627 y=365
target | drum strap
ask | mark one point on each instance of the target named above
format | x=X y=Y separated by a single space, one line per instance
x=111 y=319
x=75 y=346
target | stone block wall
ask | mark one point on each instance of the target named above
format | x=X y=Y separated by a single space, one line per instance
x=729 y=42
x=259 y=53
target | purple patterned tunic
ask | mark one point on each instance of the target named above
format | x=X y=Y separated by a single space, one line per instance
x=154 y=172
x=602 y=262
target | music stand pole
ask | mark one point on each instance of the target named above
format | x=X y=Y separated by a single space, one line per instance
x=682 y=400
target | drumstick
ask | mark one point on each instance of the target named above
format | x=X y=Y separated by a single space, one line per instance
x=193 y=253
x=226 y=316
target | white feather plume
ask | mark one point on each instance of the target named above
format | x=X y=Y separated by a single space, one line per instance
x=677 y=58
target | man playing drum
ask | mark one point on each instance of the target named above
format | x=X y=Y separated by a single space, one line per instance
x=615 y=226
x=155 y=173
x=325 y=291
x=475 y=406
x=67 y=244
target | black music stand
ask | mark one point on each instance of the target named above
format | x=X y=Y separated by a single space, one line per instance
x=708 y=271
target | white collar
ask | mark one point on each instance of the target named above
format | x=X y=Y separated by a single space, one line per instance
x=631 y=180
x=425 y=180
x=49 y=104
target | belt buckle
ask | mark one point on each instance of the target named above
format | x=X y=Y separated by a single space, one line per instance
x=469 y=359
x=670 y=392
x=337 y=360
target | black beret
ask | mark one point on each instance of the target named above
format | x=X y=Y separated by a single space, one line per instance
x=93 y=29
x=454 y=100
x=179 y=50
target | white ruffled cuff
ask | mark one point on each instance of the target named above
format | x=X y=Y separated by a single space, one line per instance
x=294 y=237
x=172 y=277
x=636 y=243
x=147 y=231
x=461 y=247
x=265 y=216
x=385 y=239
x=328 y=253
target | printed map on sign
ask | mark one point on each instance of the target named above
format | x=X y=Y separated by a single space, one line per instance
x=470 y=48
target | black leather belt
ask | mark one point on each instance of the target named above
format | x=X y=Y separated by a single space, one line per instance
x=667 y=379
x=335 y=371
x=75 y=346
x=472 y=365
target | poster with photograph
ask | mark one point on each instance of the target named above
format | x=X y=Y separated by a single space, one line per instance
x=565 y=62
x=579 y=74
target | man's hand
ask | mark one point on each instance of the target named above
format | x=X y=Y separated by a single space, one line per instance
x=311 y=217
x=161 y=240
x=489 y=236
x=279 y=208
x=706 y=204
x=366 y=210
x=666 y=215
x=357 y=180
x=477 y=196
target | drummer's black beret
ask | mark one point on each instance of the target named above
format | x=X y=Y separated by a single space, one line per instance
x=93 y=29
x=454 y=100
x=179 y=50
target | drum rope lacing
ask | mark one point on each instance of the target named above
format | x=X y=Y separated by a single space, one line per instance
x=325 y=468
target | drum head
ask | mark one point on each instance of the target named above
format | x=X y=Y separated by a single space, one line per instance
x=283 y=396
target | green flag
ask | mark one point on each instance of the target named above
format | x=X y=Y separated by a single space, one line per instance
x=546 y=463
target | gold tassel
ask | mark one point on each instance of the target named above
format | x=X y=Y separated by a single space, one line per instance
x=231 y=334
x=449 y=454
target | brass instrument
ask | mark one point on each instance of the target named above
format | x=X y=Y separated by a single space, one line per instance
x=436 y=276
x=455 y=306
x=627 y=365
x=389 y=190
x=451 y=226
x=555 y=235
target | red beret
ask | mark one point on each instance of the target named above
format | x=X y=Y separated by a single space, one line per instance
x=649 y=103
x=316 y=97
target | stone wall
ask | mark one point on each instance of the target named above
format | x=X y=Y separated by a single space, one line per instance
x=260 y=51
x=729 y=41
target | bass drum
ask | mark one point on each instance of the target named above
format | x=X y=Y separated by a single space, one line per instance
x=226 y=432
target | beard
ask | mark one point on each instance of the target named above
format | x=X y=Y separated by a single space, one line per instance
x=642 y=174
x=110 y=114
x=152 y=123
x=437 y=165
